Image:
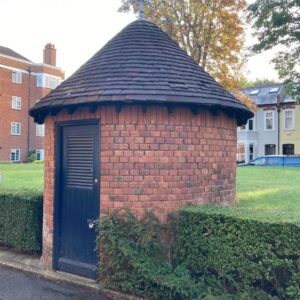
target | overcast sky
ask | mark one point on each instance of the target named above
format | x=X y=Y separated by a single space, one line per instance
x=78 y=29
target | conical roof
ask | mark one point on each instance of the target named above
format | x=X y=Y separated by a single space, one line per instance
x=140 y=64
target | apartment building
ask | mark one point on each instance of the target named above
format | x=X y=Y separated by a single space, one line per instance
x=275 y=128
x=22 y=84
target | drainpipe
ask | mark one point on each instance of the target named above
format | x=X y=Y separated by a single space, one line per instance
x=28 y=118
x=278 y=116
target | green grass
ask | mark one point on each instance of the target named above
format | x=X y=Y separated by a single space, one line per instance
x=269 y=188
x=29 y=176
x=257 y=187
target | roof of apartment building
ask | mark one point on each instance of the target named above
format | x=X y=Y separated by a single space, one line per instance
x=9 y=52
x=267 y=94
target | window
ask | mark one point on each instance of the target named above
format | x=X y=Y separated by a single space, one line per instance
x=251 y=151
x=47 y=81
x=274 y=90
x=288 y=149
x=254 y=92
x=16 y=77
x=39 y=154
x=39 y=80
x=261 y=161
x=40 y=130
x=269 y=120
x=288 y=119
x=15 y=154
x=15 y=128
x=240 y=153
x=250 y=125
x=16 y=102
x=270 y=149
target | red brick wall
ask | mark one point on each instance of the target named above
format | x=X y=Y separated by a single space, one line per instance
x=8 y=115
x=155 y=160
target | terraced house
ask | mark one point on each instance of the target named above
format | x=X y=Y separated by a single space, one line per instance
x=22 y=84
x=275 y=128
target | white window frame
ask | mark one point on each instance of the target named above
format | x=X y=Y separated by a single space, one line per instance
x=47 y=81
x=13 y=128
x=40 y=152
x=15 y=151
x=40 y=130
x=16 y=102
x=273 y=120
x=293 y=119
x=16 y=77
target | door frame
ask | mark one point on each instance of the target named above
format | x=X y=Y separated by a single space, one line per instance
x=58 y=178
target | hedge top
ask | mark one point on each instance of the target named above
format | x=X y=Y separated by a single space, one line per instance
x=269 y=216
x=141 y=64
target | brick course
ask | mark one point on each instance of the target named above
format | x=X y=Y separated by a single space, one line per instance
x=154 y=159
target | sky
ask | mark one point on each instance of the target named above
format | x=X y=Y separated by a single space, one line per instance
x=78 y=29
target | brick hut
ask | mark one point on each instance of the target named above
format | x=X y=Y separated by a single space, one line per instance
x=140 y=125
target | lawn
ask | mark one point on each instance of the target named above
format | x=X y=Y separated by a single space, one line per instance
x=257 y=187
x=269 y=188
x=28 y=176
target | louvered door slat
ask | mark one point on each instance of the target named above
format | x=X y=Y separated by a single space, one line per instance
x=80 y=149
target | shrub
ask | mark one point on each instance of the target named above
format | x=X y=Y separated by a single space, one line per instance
x=21 y=215
x=137 y=257
x=241 y=248
x=31 y=155
x=134 y=260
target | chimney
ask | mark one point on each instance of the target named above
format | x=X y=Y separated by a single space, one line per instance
x=50 y=54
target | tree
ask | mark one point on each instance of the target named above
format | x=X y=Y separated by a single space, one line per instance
x=211 y=31
x=245 y=83
x=277 y=23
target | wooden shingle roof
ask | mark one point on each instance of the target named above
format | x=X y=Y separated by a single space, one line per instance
x=140 y=64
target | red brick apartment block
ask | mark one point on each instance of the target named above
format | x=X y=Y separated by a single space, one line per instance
x=22 y=84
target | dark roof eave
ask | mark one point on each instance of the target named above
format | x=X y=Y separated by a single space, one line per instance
x=241 y=114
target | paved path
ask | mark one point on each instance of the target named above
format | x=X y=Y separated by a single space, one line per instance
x=17 y=285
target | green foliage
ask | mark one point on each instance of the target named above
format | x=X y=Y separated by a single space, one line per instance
x=242 y=249
x=245 y=83
x=31 y=155
x=211 y=32
x=205 y=253
x=21 y=215
x=277 y=23
x=134 y=260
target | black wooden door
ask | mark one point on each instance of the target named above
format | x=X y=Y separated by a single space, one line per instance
x=78 y=203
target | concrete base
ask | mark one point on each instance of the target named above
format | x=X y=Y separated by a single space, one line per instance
x=33 y=265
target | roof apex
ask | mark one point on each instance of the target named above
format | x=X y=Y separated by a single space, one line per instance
x=141 y=64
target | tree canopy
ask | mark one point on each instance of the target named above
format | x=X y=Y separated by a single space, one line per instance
x=277 y=23
x=211 y=31
x=245 y=83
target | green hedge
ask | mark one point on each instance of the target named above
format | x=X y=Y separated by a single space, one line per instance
x=242 y=248
x=194 y=257
x=21 y=215
x=134 y=260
